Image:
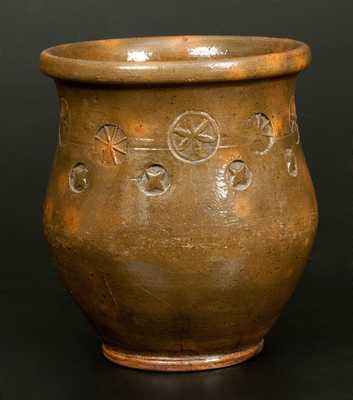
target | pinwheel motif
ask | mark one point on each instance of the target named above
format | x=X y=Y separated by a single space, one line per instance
x=261 y=127
x=111 y=143
x=193 y=137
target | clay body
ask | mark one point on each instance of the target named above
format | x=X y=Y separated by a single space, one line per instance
x=180 y=210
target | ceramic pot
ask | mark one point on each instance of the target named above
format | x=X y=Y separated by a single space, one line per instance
x=180 y=209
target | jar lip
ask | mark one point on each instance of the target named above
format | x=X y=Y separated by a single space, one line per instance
x=175 y=59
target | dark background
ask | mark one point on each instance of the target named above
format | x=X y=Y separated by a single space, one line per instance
x=48 y=350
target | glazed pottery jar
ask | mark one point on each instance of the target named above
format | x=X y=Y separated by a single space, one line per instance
x=180 y=209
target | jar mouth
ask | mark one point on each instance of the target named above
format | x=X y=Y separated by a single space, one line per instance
x=175 y=59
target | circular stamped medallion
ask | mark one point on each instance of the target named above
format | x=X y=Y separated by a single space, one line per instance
x=193 y=137
x=78 y=179
x=238 y=175
x=154 y=180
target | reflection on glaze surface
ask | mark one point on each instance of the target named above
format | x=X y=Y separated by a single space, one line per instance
x=138 y=55
x=205 y=51
x=291 y=162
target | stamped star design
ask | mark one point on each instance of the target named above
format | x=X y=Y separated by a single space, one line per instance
x=114 y=140
x=239 y=175
x=154 y=180
x=79 y=178
x=193 y=136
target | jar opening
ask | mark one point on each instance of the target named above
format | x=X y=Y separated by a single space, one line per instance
x=175 y=59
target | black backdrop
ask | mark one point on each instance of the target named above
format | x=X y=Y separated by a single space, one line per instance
x=48 y=350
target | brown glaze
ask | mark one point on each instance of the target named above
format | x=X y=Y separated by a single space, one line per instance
x=180 y=210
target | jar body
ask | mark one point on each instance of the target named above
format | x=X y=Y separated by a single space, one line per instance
x=180 y=216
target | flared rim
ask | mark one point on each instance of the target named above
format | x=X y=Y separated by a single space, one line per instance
x=175 y=59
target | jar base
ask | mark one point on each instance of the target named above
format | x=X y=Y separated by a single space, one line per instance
x=186 y=363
